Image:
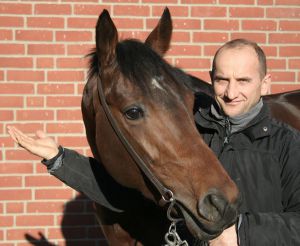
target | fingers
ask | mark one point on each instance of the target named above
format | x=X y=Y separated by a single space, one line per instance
x=19 y=137
x=41 y=134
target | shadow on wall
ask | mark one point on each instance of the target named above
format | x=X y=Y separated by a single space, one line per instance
x=79 y=226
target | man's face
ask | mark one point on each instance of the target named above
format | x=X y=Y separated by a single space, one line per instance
x=237 y=81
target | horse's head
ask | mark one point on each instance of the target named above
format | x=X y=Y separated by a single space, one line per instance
x=154 y=110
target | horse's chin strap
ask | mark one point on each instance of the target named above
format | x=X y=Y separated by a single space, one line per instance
x=172 y=238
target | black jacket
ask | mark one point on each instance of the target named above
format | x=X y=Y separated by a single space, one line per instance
x=264 y=161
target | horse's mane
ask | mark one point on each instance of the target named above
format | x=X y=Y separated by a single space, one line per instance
x=140 y=64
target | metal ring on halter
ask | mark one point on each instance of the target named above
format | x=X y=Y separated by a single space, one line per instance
x=168 y=196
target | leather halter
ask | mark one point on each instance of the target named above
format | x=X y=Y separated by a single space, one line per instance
x=167 y=195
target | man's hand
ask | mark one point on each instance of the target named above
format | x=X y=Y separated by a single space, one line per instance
x=227 y=238
x=42 y=146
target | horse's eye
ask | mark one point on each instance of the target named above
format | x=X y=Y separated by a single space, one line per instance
x=134 y=113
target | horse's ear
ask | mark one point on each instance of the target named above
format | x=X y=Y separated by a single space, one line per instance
x=160 y=38
x=106 y=39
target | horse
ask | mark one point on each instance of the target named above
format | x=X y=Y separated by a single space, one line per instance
x=166 y=185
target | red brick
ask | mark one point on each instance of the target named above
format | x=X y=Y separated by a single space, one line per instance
x=283 y=76
x=276 y=63
x=286 y=38
x=6 y=221
x=63 y=101
x=90 y=9
x=55 y=89
x=290 y=51
x=49 y=194
x=249 y=12
x=70 y=114
x=92 y=1
x=210 y=37
x=65 y=76
x=264 y=2
x=11 y=21
x=45 y=207
x=6 y=115
x=192 y=63
x=16 y=88
x=294 y=64
x=20 y=154
x=184 y=24
x=14 y=208
x=46 y=22
x=82 y=22
x=17 y=195
x=159 y=1
x=283 y=12
x=199 y=1
x=34 y=35
x=73 y=36
x=16 y=49
x=35 y=115
x=65 y=128
x=15 y=8
x=73 y=141
x=18 y=234
x=257 y=37
x=277 y=88
x=1 y=75
x=176 y=11
x=23 y=75
x=35 y=102
x=80 y=49
x=11 y=101
x=185 y=50
x=52 y=9
x=221 y=24
x=6 y=35
x=6 y=142
x=46 y=49
x=10 y=181
x=28 y=127
x=289 y=25
x=239 y=2
x=288 y=2
x=16 y=62
x=200 y=11
x=261 y=25
x=16 y=168
x=270 y=50
x=44 y=62
x=42 y=181
x=131 y=10
x=35 y=220
x=180 y=37
x=72 y=63
x=74 y=232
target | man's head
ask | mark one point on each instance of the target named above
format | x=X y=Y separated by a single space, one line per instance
x=239 y=76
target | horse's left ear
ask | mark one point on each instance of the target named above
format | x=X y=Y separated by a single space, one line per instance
x=106 y=39
x=160 y=38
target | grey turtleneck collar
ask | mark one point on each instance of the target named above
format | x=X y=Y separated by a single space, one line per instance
x=239 y=122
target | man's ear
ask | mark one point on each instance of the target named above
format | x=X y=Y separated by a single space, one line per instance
x=211 y=74
x=266 y=85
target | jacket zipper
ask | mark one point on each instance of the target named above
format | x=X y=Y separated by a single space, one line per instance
x=227 y=131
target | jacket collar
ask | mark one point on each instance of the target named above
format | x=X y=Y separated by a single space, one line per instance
x=258 y=127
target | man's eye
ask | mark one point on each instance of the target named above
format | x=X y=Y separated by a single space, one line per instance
x=134 y=113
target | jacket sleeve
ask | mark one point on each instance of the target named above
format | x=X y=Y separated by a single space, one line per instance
x=84 y=174
x=271 y=229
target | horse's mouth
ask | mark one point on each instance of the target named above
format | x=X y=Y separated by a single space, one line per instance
x=198 y=227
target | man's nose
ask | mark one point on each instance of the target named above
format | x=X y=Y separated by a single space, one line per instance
x=231 y=90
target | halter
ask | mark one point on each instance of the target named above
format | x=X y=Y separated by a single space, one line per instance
x=171 y=237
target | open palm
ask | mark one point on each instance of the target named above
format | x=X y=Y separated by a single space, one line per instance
x=42 y=145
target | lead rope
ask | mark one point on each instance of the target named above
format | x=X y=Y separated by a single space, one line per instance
x=171 y=237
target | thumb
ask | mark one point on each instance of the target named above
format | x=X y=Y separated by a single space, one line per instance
x=40 y=134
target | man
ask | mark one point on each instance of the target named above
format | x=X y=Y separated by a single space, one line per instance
x=260 y=154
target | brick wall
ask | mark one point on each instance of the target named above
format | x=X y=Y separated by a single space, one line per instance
x=42 y=75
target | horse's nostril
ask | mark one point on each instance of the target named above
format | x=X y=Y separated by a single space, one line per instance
x=212 y=207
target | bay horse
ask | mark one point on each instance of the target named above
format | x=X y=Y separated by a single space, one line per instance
x=166 y=185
